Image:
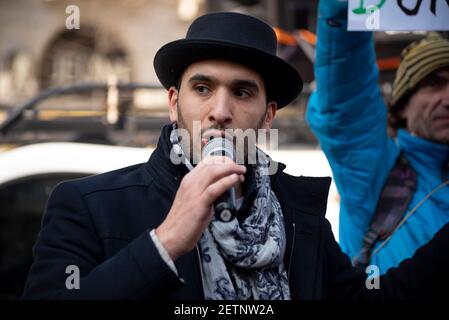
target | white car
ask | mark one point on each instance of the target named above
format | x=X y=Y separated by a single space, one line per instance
x=29 y=173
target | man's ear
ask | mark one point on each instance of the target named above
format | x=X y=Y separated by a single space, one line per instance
x=173 y=103
x=269 y=115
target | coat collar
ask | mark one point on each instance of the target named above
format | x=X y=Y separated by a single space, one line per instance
x=161 y=167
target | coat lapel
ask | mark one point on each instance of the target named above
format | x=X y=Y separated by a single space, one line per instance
x=303 y=201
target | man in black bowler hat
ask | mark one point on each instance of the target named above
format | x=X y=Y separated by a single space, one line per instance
x=148 y=231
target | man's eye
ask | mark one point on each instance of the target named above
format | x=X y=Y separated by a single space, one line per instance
x=201 y=89
x=242 y=93
x=432 y=82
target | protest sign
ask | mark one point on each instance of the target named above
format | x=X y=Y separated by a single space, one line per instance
x=398 y=15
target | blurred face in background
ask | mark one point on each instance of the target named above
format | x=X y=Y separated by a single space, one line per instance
x=220 y=95
x=427 y=111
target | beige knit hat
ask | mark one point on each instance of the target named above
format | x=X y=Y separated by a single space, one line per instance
x=418 y=60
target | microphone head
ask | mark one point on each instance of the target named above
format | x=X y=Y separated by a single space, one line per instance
x=218 y=146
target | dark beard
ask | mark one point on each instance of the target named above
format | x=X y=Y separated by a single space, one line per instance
x=188 y=148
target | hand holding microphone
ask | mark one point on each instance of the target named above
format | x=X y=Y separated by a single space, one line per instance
x=191 y=211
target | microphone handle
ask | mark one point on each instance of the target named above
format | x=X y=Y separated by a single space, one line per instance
x=225 y=206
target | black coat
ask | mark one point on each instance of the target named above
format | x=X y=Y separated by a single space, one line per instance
x=101 y=225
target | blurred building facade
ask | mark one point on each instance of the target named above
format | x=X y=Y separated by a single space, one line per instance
x=116 y=38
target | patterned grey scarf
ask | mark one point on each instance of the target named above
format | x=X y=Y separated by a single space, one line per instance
x=244 y=260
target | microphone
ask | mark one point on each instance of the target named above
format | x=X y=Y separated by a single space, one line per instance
x=225 y=205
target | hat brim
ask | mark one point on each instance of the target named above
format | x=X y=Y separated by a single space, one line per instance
x=282 y=81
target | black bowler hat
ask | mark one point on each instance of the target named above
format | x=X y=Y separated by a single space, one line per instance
x=234 y=37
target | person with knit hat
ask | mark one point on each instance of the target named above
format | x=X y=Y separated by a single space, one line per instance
x=389 y=160
x=422 y=74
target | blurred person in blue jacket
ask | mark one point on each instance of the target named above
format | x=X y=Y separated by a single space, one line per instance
x=394 y=187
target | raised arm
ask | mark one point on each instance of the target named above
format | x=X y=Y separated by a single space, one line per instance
x=347 y=113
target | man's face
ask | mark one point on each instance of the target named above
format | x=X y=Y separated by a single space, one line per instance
x=427 y=112
x=220 y=95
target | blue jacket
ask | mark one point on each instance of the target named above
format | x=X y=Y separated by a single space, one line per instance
x=348 y=115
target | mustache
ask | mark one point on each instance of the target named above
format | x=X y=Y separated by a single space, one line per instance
x=218 y=130
x=213 y=127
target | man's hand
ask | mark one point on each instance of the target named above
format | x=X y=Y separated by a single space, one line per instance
x=192 y=209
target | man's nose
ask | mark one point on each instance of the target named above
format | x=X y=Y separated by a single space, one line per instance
x=221 y=111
